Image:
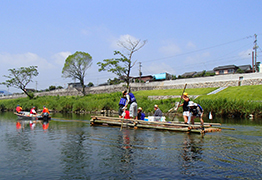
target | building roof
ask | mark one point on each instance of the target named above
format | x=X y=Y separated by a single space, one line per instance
x=245 y=68
x=225 y=67
x=189 y=74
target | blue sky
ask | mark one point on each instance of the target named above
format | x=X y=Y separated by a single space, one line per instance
x=182 y=36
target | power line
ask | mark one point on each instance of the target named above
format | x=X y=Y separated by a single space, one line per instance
x=190 y=52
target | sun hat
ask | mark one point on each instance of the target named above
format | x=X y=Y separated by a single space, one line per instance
x=156 y=106
x=185 y=94
x=140 y=108
x=191 y=103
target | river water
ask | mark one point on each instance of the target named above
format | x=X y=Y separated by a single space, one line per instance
x=69 y=148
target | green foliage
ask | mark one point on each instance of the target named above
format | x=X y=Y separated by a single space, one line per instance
x=76 y=65
x=20 y=78
x=233 y=101
x=90 y=84
x=122 y=66
x=240 y=71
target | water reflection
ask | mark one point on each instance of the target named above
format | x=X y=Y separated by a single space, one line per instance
x=191 y=153
x=21 y=125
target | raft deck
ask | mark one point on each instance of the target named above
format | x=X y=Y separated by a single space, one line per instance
x=171 y=126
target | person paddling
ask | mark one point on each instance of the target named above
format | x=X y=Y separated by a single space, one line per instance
x=18 y=109
x=32 y=111
x=45 y=113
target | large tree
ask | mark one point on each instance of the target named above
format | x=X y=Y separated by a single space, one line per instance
x=75 y=67
x=19 y=78
x=122 y=66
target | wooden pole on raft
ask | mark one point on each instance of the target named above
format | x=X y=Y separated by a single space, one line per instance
x=179 y=101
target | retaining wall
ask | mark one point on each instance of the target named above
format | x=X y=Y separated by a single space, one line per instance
x=201 y=82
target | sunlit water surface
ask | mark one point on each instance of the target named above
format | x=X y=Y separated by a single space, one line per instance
x=69 y=148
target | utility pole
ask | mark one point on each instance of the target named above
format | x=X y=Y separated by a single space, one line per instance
x=140 y=73
x=35 y=85
x=253 y=70
x=255 y=48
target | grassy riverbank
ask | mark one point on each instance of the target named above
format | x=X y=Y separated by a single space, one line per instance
x=233 y=101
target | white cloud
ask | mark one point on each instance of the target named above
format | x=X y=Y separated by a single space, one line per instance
x=123 y=38
x=156 y=68
x=191 y=45
x=59 y=58
x=23 y=60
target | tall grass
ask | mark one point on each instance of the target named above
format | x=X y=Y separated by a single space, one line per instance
x=227 y=104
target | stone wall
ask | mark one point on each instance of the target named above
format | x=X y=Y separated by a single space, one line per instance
x=201 y=82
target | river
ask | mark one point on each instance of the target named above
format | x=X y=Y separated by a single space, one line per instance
x=69 y=148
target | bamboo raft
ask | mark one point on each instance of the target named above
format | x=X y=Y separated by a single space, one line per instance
x=171 y=126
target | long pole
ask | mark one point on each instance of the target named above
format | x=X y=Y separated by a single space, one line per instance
x=180 y=101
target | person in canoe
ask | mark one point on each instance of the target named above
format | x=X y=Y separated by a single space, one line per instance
x=196 y=111
x=140 y=114
x=122 y=103
x=32 y=111
x=18 y=109
x=185 y=107
x=45 y=113
x=133 y=105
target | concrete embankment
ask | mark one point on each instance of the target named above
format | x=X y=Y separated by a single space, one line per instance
x=201 y=82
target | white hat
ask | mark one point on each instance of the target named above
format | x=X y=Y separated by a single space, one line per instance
x=191 y=103
x=156 y=106
x=140 y=108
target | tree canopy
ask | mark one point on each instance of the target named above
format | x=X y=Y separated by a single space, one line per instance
x=122 y=66
x=76 y=65
x=20 y=78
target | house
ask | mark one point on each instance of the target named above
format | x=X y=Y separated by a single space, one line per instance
x=245 y=68
x=74 y=85
x=229 y=69
x=188 y=74
x=162 y=76
x=143 y=78
x=2 y=93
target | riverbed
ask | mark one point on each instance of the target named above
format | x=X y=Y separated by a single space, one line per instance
x=67 y=147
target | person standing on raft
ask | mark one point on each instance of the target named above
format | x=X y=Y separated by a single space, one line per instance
x=185 y=107
x=133 y=105
x=122 y=103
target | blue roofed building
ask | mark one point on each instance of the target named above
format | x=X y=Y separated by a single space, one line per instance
x=162 y=76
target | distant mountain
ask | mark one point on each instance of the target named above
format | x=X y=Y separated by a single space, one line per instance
x=5 y=92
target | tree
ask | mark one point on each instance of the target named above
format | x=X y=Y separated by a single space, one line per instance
x=19 y=78
x=122 y=66
x=75 y=67
x=90 y=84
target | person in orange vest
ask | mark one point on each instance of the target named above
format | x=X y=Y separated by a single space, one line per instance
x=45 y=113
x=18 y=109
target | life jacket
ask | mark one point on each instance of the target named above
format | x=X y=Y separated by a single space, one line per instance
x=143 y=116
x=32 y=111
x=122 y=101
x=45 y=110
x=132 y=98
x=201 y=109
x=18 y=109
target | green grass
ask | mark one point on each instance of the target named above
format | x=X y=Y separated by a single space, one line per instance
x=167 y=92
x=237 y=101
x=245 y=93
